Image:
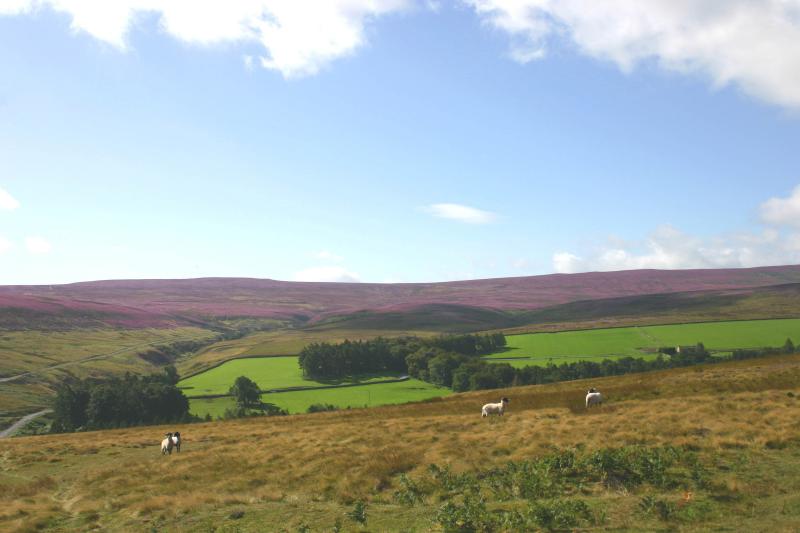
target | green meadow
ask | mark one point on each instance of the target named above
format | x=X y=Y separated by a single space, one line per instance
x=267 y=372
x=411 y=390
x=643 y=341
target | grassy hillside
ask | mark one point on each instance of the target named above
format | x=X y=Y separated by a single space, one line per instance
x=643 y=341
x=46 y=357
x=736 y=465
x=780 y=301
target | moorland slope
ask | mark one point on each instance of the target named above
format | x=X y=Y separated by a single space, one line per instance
x=150 y=302
x=711 y=447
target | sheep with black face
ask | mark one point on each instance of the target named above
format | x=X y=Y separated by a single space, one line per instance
x=166 y=444
x=495 y=408
x=593 y=397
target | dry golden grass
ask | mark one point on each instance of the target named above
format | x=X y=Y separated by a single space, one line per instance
x=118 y=480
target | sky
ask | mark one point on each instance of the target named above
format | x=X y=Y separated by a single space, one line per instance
x=395 y=140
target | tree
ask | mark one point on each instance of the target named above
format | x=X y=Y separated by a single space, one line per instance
x=246 y=392
x=441 y=367
x=70 y=407
x=788 y=346
x=171 y=375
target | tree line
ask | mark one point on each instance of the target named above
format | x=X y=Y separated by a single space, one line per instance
x=131 y=400
x=322 y=360
x=454 y=361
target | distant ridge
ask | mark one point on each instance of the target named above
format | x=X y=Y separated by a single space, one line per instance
x=163 y=303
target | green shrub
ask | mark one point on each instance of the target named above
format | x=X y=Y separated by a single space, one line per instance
x=409 y=493
x=471 y=515
x=359 y=512
x=560 y=514
x=321 y=407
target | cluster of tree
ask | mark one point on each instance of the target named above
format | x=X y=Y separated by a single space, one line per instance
x=263 y=409
x=454 y=362
x=476 y=374
x=321 y=407
x=457 y=371
x=469 y=344
x=119 y=402
x=166 y=354
x=350 y=358
x=322 y=360
x=787 y=348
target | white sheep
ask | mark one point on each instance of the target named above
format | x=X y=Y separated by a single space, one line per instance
x=176 y=441
x=494 y=408
x=166 y=444
x=593 y=397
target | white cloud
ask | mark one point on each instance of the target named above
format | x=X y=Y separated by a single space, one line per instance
x=462 y=213
x=37 y=245
x=327 y=256
x=7 y=201
x=567 y=263
x=299 y=36
x=782 y=211
x=5 y=245
x=752 y=44
x=669 y=248
x=328 y=274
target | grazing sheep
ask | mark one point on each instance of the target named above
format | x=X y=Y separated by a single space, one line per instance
x=166 y=444
x=494 y=408
x=593 y=397
x=176 y=441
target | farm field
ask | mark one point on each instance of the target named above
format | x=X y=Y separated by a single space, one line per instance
x=268 y=372
x=280 y=342
x=411 y=390
x=731 y=459
x=643 y=341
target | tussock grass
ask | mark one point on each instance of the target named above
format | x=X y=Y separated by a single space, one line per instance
x=739 y=418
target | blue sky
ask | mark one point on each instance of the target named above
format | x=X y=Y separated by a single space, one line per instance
x=395 y=141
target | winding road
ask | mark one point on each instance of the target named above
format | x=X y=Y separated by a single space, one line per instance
x=22 y=422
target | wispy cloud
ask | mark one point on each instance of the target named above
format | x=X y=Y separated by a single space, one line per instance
x=299 y=37
x=7 y=201
x=327 y=274
x=37 y=245
x=5 y=245
x=461 y=213
x=750 y=44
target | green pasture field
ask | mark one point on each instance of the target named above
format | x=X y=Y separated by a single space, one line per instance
x=411 y=390
x=267 y=372
x=643 y=341
x=280 y=342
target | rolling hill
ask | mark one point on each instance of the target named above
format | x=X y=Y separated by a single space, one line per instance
x=149 y=303
x=706 y=448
